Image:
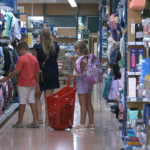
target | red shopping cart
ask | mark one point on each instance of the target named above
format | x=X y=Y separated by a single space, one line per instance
x=61 y=106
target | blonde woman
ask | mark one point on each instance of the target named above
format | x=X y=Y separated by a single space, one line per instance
x=47 y=53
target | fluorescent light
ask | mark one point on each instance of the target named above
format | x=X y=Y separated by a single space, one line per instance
x=72 y=3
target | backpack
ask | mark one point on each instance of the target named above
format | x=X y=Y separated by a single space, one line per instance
x=1 y=59
x=114 y=89
x=94 y=69
x=107 y=85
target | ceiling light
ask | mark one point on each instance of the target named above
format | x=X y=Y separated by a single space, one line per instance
x=72 y=3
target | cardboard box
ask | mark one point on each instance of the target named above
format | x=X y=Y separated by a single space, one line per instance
x=133 y=59
x=132 y=87
x=148 y=131
x=128 y=53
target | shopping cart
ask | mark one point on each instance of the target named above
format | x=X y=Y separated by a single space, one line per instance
x=61 y=106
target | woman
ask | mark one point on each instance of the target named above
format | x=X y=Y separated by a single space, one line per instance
x=47 y=53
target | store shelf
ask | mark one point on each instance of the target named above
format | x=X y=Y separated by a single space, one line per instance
x=133 y=73
x=135 y=43
x=23 y=33
x=70 y=37
x=9 y=109
x=137 y=99
x=142 y=138
x=104 y=37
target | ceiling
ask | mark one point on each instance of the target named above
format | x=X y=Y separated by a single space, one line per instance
x=57 y=1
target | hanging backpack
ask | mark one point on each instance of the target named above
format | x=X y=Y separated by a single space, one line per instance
x=114 y=89
x=1 y=102
x=94 y=69
x=1 y=59
x=107 y=85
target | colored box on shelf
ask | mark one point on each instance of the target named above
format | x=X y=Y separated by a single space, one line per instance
x=23 y=30
x=133 y=59
x=132 y=87
x=140 y=55
x=131 y=133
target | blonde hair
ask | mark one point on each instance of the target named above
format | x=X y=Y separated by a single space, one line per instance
x=82 y=48
x=46 y=40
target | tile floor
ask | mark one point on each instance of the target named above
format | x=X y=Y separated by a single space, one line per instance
x=104 y=138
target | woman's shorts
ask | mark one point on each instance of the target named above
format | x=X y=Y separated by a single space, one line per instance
x=49 y=84
x=83 y=87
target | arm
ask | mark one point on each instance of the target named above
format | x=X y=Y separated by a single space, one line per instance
x=34 y=53
x=82 y=66
x=14 y=73
x=37 y=77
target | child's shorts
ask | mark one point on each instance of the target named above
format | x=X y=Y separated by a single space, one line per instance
x=83 y=87
x=26 y=94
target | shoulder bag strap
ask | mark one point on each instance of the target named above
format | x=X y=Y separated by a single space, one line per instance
x=42 y=79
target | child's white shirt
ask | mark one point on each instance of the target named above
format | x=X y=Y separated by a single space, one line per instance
x=85 y=69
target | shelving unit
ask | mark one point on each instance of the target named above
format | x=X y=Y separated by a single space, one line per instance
x=142 y=138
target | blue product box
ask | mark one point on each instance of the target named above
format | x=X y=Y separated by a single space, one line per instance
x=146 y=113
x=23 y=30
x=133 y=59
x=131 y=133
x=140 y=55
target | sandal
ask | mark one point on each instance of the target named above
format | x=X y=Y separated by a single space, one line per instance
x=91 y=127
x=33 y=125
x=16 y=125
x=40 y=121
x=79 y=127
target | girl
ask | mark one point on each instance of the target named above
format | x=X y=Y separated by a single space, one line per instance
x=84 y=89
x=47 y=53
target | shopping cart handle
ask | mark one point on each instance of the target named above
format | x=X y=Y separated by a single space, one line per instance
x=69 y=81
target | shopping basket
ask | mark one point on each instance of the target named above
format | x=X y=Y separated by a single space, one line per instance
x=61 y=106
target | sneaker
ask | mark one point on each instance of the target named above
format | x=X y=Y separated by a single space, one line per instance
x=17 y=125
x=91 y=127
x=33 y=125
x=79 y=127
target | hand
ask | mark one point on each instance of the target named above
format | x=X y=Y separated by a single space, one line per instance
x=72 y=58
x=37 y=88
x=3 y=80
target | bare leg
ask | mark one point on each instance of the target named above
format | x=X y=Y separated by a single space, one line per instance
x=38 y=104
x=90 y=109
x=47 y=93
x=83 y=104
x=21 y=113
x=34 y=112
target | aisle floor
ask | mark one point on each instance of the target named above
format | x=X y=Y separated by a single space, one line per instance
x=104 y=138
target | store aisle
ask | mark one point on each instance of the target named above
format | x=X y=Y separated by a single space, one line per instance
x=104 y=138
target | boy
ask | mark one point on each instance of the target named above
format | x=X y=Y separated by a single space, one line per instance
x=27 y=69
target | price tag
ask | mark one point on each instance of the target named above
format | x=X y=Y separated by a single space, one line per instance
x=131 y=73
x=133 y=99
x=144 y=92
x=138 y=134
x=145 y=99
x=138 y=87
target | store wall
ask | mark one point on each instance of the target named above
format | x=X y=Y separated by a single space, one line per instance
x=61 y=9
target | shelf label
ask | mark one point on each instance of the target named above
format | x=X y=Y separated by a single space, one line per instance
x=144 y=92
x=133 y=99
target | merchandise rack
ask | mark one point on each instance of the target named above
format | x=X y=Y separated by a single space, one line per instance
x=142 y=138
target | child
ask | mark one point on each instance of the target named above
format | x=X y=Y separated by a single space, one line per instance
x=84 y=89
x=27 y=69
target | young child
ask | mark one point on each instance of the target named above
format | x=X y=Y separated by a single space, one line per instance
x=84 y=89
x=27 y=69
